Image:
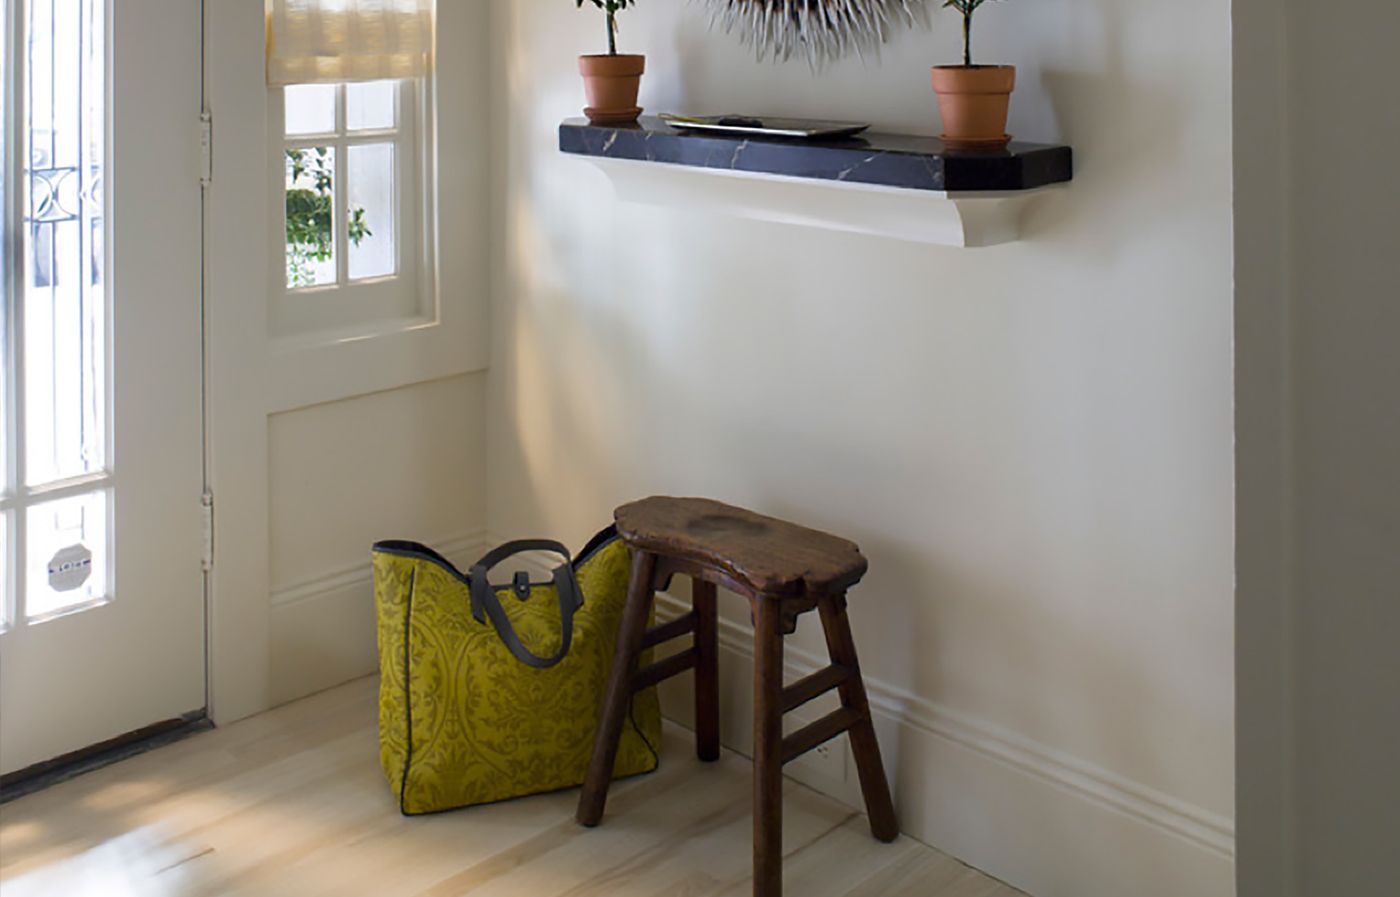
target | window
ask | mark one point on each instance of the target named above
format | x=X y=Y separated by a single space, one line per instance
x=349 y=174
x=55 y=505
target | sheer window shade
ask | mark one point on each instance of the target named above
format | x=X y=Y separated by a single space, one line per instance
x=327 y=41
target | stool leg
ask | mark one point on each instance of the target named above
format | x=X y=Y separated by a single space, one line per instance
x=864 y=746
x=706 y=670
x=619 y=694
x=768 y=749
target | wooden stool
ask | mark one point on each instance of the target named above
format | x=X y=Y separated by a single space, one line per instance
x=784 y=570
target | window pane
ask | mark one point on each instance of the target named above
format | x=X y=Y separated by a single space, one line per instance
x=68 y=552
x=311 y=216
x=370 y=106
x=371 y=200
x=310 y=109
x=64 y=294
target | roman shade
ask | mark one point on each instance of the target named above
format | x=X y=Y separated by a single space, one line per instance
x=328 y=41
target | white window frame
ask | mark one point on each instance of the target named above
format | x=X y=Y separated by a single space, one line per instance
x=352 y=309
x=17 y=496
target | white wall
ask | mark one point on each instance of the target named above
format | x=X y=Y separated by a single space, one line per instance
x=1319 y=311
x=1033 y=443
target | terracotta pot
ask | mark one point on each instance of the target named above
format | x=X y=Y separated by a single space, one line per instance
x=974 y=100
x=611 y=84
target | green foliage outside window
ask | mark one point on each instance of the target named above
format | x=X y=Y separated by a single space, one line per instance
x=311 y=215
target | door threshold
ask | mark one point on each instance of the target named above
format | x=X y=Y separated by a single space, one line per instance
x=69 y=766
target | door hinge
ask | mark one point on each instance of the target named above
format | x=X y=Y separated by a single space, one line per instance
x=206 y=148
x=206 y=503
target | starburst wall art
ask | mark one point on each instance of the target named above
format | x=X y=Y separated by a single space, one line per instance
x=819 y=30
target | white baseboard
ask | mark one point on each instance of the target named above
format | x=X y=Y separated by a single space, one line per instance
x=323 y=629
x=1035 y=817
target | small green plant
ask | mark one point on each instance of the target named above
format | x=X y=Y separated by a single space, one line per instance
x=612 y=8
x=311 y=215
x=967 y=8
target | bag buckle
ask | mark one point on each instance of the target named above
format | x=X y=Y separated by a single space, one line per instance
x=521 y=585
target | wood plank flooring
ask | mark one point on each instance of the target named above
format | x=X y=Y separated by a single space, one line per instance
x=293 y=803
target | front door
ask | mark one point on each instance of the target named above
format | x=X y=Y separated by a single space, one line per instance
x=101 y=542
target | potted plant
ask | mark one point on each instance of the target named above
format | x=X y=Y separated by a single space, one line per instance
x=611 y=81
x=973 y=99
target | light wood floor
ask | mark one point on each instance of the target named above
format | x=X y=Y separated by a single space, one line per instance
x=293 y=803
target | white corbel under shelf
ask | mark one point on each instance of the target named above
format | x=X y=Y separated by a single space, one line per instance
x=966 y=218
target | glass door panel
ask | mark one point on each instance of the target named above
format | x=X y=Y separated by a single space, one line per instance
x=56 y=314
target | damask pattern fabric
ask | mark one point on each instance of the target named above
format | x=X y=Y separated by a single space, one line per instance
x=329 y=41
x=461 y=720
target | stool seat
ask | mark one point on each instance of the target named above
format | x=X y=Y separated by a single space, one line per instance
x=763 y=554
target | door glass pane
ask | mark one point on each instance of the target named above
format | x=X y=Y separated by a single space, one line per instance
x=370 y=106
x=371 y=199
x=311 y=216
x=310 y=109
x=68 y=551
x=64 y=300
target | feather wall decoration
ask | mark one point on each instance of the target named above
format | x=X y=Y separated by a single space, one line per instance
x=820 y=30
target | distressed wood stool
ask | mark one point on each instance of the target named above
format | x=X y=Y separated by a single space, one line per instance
x=784 y=570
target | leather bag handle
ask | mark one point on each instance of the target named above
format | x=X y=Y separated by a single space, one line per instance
x=485 y=603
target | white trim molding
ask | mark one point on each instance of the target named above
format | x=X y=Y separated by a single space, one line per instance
x=1208 y=830
x=1039 y=818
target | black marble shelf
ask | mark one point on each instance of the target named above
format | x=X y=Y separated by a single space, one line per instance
x=887 y=160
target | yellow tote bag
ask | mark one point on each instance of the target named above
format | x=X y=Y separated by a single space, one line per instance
x=489 y=692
